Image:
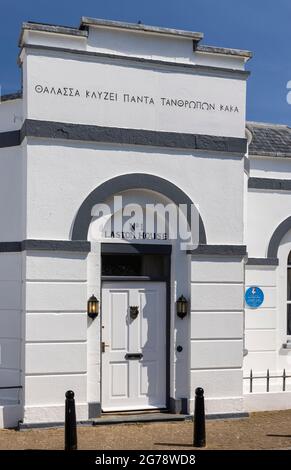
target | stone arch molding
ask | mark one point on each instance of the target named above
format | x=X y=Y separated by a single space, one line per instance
x=128 y=182
x=277 y=236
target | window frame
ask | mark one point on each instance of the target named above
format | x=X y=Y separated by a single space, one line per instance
x=288 y=302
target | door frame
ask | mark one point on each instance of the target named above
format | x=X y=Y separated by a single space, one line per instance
x=140 y=249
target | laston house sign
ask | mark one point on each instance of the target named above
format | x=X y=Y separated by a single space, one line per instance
x=150 y=221
x=109 y=96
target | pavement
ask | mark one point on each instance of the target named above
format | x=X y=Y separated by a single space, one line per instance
x=269 y=430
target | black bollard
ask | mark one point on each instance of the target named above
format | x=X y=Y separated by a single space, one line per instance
x=199 y=438
x=70 y=422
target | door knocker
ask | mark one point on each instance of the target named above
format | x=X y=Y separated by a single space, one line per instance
x=133 y=312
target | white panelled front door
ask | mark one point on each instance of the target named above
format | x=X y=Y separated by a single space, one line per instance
x=134 y=357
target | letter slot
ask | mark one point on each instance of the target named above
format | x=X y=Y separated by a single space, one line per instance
x=131 y=356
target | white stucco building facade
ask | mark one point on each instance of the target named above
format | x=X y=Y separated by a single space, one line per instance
x=152 y=115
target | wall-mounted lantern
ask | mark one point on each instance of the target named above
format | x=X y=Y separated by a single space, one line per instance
x=93 y=307
x=182 y=306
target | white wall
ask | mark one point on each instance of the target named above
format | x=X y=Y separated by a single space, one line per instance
x=11 y=115
x=55 y=40
x=138 y=44
x=262 y=222
x=55 y=334
x=266 y=325
x=12 y=197
x=266 y=330
x=217 y=285
x=261 y=327
x=10 y=327
x=263 y=167
x=56 y=70
x=159 y=47
x=267 y=401
x=12 y=202
x=74 y=170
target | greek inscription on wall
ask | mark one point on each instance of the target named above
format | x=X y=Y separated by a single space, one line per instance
x=111 y=96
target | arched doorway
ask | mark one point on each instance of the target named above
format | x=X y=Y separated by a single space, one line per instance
x=140 y=369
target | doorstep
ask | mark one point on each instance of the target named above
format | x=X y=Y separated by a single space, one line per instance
x=138 y=418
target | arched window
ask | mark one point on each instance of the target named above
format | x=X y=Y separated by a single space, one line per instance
x=289 y=295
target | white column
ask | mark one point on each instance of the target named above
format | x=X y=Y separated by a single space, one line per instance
x=93 y=333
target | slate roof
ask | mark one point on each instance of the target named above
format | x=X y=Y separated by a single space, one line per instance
x=11 y=96
x=272 y=140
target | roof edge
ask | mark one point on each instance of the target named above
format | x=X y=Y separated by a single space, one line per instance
x=50 y=28
x=87 y=21
x=224 y=51
x=266 y=154
x=251 y=124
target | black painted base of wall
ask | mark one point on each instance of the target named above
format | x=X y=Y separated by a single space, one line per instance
x=178 y=405
x=94 y=410
x=139 y=418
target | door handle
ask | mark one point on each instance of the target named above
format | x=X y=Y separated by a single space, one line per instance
x=103 y=346
x=133 y=311
x=130 y=356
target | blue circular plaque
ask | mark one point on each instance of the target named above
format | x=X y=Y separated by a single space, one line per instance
x=254 y=297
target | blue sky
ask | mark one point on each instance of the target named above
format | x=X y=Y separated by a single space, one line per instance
x=262 y=26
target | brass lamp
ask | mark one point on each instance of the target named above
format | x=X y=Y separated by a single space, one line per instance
x=182 y=307
x=93 y=307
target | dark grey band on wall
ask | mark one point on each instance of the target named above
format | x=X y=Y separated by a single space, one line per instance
x=135 y=249
x=56 y=245
x=277 y=236
x=269 y=183
x=116 y=135
x=262 y=262
x=219 y=250
x=45 y=245
x=10 y=247
x=183 y=67
x=124 y=183
x=9 y=139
